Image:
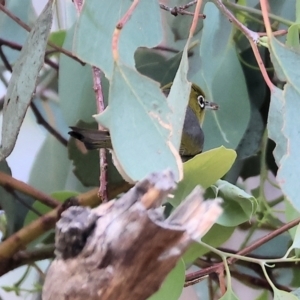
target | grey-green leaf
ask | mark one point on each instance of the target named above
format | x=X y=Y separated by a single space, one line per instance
x=23 y=81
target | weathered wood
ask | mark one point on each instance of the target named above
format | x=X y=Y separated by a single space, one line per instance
x=125 y=248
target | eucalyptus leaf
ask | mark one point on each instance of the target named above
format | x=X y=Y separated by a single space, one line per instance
x=215 y=237
x=154 y=65
x=137 y=118
x=263 y=296
x=238 y=206
x=283 y=295
x=13 y=204
x=173 y=285
x=286 y=60
x=221 y=76
x=61 y=196
x=76 y=103
x=229 y=295
x=58 y=37
x=275 y=124
x=204 y=169
x=296 y=240
x=23 y=81
x=97 y=23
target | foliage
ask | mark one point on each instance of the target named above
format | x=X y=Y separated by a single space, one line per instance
x=253 y=77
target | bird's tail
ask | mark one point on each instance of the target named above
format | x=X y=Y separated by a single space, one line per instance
x=92 y=138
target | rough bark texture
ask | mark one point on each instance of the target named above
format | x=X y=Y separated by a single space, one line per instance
x=124 y=249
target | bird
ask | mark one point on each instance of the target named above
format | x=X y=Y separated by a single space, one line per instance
x=192 y=139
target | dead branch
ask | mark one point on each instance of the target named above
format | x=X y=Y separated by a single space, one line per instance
x=125 y=248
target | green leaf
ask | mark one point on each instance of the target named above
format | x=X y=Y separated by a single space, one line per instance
x=275 y=124
x=97 y=22
x=52 y=170
x=296 y=241
x=215 y=237
x=204 y=169
x=61 y=196
x=282 y=295
x=178 y=98
x=296 y=293
x=263 y=296
x=23 y=81
x=238 y=206
x=58 y=37
x=297 y=12
x=154 y=65
x=172 y=285
x=221 y=76
x=137 y=118
x=291 y=214
x=76 y=103
x=179 y=25
x=292 y=38
x=229 y=295
x=3 y=225
x=12 y=204
x=286 y=61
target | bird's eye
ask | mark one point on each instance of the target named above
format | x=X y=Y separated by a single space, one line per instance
x=201 y=101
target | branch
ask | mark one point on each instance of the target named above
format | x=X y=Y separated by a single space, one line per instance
x=27 y=28
x=181 y=10
x=129 y=240
x=18 y=47
x=253 y=38
x=41 y=120
x=245 y=251
x=19 y=240
x=11 y=183
x=31 y=256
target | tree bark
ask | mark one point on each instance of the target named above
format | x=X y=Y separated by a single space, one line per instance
x=125 y=248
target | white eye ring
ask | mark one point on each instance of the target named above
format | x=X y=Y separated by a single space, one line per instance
x=201 y=101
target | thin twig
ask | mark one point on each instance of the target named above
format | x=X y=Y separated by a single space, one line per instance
x=11 y=183
x=5 y=60
x=29 y=233
x=18 y=47
x=181 y=10
x=245 y=251
x=27 y=28
x=252 y=36
x=41 y=120
x=23 y=258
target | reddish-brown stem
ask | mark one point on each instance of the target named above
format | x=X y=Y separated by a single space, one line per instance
x=9 y=182
x=195 y=18
x=252 y=36
x=264 y=11
x=218 y=267
x=41 y=120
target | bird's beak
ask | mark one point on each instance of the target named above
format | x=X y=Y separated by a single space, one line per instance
x=211 y=105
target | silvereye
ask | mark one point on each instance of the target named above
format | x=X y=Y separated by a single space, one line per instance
x=192 y=139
